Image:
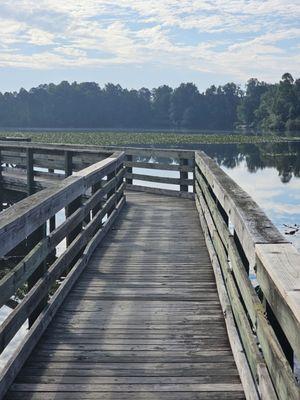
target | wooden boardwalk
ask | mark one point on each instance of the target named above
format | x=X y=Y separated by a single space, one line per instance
x=144 y=319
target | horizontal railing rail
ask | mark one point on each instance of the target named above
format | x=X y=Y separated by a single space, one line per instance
x=241 y=238
x=14 y=139
x=163 y=171
x=48 y=160
x=91 y=199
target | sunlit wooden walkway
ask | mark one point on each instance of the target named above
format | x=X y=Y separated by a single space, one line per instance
x=149 y=297
x=144 y=319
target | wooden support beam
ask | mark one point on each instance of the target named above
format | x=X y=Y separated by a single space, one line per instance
x=68 y=163
x=32 y=241
x=111 y=176
x=70 y=209
x=30 y=172
x=184 y=175
x=129 y=159
x=1 y=183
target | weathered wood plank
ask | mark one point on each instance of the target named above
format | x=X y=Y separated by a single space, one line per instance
x=170 y=338
x=278 y=367
x=237 y=348
x=250 y=222
x=24 y=349
x=126 y=396
x=20 y=220
x=278 y=273
x=161 y=179
x=160 y=166
x=165 y=192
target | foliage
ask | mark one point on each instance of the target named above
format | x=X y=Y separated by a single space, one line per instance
x=86 y=105
x=271 y=107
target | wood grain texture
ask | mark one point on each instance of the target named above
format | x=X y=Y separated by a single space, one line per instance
x=143 y=321
x=278 y=272
x=250 y=222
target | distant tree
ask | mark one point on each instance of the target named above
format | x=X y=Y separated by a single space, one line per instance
x=287 y=77
x=87 y=105
x=161 y=102
x=279 y=106
x=221 y=106
x=250 y=102
x=183 y=107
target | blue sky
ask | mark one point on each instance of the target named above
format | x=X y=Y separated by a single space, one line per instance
x=147 y=42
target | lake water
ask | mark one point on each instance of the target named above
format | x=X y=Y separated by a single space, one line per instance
x=270 y=173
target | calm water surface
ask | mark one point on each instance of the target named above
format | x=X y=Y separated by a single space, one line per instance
x=271 y=175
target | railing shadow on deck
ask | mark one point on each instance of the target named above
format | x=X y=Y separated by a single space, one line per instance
x=264 y=328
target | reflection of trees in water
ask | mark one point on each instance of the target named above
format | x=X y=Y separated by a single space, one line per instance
x=285 y=157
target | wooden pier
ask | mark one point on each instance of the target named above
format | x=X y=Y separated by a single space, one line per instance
x=141 y=292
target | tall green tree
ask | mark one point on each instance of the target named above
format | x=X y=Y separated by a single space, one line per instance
x=87 y=105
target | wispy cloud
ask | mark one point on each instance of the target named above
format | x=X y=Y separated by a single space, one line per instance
x=237 y=38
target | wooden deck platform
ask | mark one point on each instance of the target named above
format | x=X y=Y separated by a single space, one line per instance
x=151 y=303
x=143 y=320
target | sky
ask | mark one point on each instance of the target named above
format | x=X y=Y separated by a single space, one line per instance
x=147 y=42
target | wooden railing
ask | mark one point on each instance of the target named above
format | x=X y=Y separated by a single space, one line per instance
x=157 y=170
x=92 y=199
x=263 y=325
x=157 y=165
x=41 y=164
x=14 y=139
x=241 y=239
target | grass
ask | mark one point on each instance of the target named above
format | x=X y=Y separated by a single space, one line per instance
x=148 y=138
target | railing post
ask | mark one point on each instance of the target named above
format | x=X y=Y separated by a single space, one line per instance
x=98 y=207
x=52 y=223
x=129 y=158
x=284 y=343
x=184 y=175
x=241 y=252
x=223 y=212
x=75 y=204
x=32 y=241
x=194 y=172
x=30 y=172
x=68 y=163
x=52 y=226
x=1 y=183
x=110 y=176
x=70 y=209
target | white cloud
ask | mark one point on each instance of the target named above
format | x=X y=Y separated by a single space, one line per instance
x=39 y=37
x=70 y=51
x=101 y=32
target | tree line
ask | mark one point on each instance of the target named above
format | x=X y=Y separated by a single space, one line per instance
x=87 y=105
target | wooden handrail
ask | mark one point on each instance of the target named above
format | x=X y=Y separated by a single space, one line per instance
x=97 y=211
x=20 y=220
x=75 y=157
x=14 y=139
x=251 y=224
x=255 y=242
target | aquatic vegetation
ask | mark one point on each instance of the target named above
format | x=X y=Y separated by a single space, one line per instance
x=117 y=138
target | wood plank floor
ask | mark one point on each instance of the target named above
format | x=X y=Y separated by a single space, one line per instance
x=143 y=321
